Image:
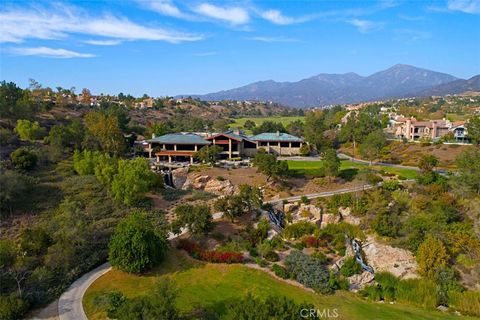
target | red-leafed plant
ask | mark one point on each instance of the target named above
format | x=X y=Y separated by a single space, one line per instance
x=213 y=256
x=310 y=241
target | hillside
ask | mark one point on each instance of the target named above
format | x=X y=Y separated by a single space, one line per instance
x=454 y=87
x=326 y=89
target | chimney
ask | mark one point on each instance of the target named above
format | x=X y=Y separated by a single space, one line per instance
x=278 y=133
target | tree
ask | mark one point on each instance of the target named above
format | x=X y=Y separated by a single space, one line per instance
x=196 y=218
x=28 y=130
x=66 y=136
x=428 y=163
x=269 y=126
x=221 y=125
x=331 y=163
x=249 y=124
x=468 y=179
x=473 y=129
x=358 y=126
x=209 y=154
x=157 y=129
x=135 y=246
x=133 y=180
x=251 y=196
x=15 y=188
x=373 y=144
x=431 y=255
x=24 y=158
x=314 y=129
x=86 y=97
x=231 y=206
x=296 y=128
x=10 y=96
x=105 y=129
x=269 y=165
x=305 y=150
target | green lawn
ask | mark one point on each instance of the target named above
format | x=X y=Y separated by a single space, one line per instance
x=217 y=285
x=258 y=121
x=313 y=168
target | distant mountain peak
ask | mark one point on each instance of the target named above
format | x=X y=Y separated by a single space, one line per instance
x=323 y=89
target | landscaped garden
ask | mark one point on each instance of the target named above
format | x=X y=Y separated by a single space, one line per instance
x=216 y=286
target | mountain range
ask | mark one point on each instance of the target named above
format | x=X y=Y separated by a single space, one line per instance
x=326 y=89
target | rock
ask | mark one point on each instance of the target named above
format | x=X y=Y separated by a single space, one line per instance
x=442 y=308
x=329 y=218
x=382 y=257
x=346 y=215
x=315 y=212
x=199 y=182
x=224 y=187
x=187 y=185
x=360 y=281
x=179 y=177
x=290 y=207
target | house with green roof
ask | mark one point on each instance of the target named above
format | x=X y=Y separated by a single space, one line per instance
x=234 y=144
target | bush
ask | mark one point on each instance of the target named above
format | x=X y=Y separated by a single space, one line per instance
x=420 y=292
x=280 y=271
x=28 y=130
x=350 y=267
x=12 y=307
x=214 y=256
x=262 y=263
x=391 y=185
x=320 y=256
x=310 y=241
x=467 y=302
x=220 y=178
x=299 y=229
x=308 y=271
x=135 y=246
x=431 y=256
x=24 y=158
x=304 y=200
x=271 y=256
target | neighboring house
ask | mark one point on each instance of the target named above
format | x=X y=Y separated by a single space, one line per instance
x=411 y=129
x=234 y=144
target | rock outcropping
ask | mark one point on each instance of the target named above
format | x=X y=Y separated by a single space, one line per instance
x=382 y=257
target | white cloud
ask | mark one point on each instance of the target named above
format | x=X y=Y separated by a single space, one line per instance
x=103 y=42
x=205 y=54
x=233 y=15
x=275 y=16
x=60 y=21
x=364 y=25
x=466 y=6
x=165 y=7
x=50 y=53
x=411 y=35
x=273 y=39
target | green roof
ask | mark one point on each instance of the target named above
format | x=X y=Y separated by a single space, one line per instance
x=279 y=136
x=180 y=138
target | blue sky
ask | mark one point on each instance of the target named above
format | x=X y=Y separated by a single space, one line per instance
x=163 y=47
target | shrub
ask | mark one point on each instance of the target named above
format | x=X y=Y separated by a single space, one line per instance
x=308 y=271
x=388 y=284
x=350 y=267
x=421 y=292
x=12 y=307
x=373 y=292
x=299 y=229
x=271 y=256
x=135 y=246
x=24 y=158
x=431 y=255
x=220 y=178
x=310 y=241
x=467 y=302
x=28 y=130
x=304 y=200
x=262 y=263
x=280 y=271
x=320 y=256
x=214 y=256
x=391 y=185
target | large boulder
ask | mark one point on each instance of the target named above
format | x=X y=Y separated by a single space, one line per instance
x=315 y=213
x=179 y=177
x=199 y=182
x=360 y=281
x=290 y=207
x=346 y=215
x=328 y=218
x=382 y=257
x=218 y=187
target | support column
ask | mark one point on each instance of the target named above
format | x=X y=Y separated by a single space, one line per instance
x=268 y=146
x=158 y=158
x=191 y=159
x=175 y=147
x=230 y=148
x=196 y=148
x=169 y=159
x=290 y=148
x=150 y=150
x=279 y=149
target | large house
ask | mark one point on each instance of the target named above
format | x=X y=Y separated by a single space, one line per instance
x=411 y=129
x=234 y=143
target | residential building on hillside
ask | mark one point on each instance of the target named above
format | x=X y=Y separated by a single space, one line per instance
x=412 y=129
x=234 y=143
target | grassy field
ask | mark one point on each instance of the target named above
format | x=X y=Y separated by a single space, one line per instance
x=217 y=285
x=313 y=168
x=239 y=123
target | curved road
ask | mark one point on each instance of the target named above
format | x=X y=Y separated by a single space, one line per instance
x=70 y=306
